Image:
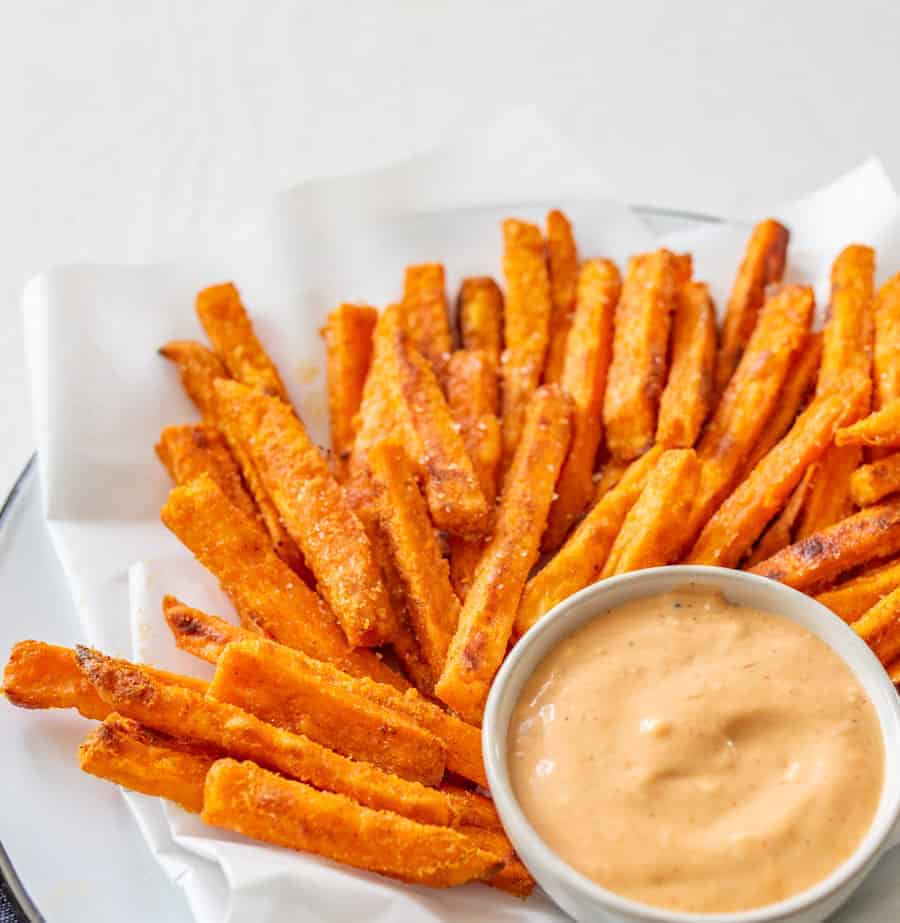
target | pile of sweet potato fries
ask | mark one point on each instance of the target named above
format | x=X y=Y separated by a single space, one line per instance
x=572 y=427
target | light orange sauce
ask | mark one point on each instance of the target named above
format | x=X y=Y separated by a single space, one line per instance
x=697 y=755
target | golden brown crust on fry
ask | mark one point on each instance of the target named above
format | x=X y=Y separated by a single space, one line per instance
x=653 y=531
x=269 y=681
x=780 y=532
x=471 y=809
x=829 y=499
x=247 y=799
x=202 y=635
x=425 y=312
x=877 y=480
x=880 y=628
x=687 y=397
x=526 y=324
x=815 y=561
x=480 y=312
x=432 y=605
x=124 y=752
x=562 y=265
x=513 y=878
x=637 y=372
x=348 y=346
x=742 y=517
x=886 y=353
x=264 y=590
x=198 y=367
x=315 y=511
x=580 y=561
x=608 y=476
x=487 y=617
x=763 y=264
x=853 y=598
x=584 y=372
x=234 y=340
x=880 y=429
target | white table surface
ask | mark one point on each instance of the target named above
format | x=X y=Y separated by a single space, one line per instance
x=129 y=128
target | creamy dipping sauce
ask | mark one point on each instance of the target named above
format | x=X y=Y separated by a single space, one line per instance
x=697 y=755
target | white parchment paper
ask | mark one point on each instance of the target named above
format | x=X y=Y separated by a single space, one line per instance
x=101 y=395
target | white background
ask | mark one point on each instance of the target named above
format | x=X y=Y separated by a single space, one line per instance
x=131 y=128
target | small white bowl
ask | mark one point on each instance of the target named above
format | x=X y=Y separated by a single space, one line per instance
x=585 y=900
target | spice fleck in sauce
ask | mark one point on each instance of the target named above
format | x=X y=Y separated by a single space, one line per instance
x=697 y=755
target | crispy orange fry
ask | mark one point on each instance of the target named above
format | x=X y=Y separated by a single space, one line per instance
x=881 y=429
x=874 y=481
x=829 y=499
x=637 y=372
x=247 y=799
x=795 y=392
x=181 y=712
x=815 y=561
x=751 y=397
x=234 y=340
x=580 y=561
x=880 y=627
x=472 y=809
x=653 y=531
x=431 y=603
x=425 y=310
x=609 y=475
x=886 y=354
x=122 y=751
x=740 y=520
x=480 y=313
x=526 y=324
x=198 y=367
x=194 y=449
x=780 y=532
x=336 y=718
x=205 y=636
x=265 y=591
x=348 y=345
x=315 y=511
x=686 y=400
x=452 y=492
x=853 y=598
x=763 y=264
x=562 y=265
x=39 y=675
x=513 y=878
x=486 y=620
x=586 y=362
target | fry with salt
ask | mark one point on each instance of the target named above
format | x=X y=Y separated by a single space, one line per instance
x=425 y=312
x=886 y=352
x=480 y=315
x=852 y=598
x=562 y=266
x=880 y=429
x=780 y=532
x=880 y=627
x=198 y=368
x=871 y=483
x=487 y=616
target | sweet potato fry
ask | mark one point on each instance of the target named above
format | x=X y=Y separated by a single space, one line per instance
x=609 y=475
x=586 y=362
x=829 y=499
x=334 y=717
x=247 y=799
x=513 y=878
x=234 y=340
x=264 y=590
x=637 y=372
x=562 y=265
x=432 y=605
x=815 y=561
x=122 y=751
x=348 y=345
x=763 y=264
x=39 y=675
x=886 y=354
x=198 y=367
x=205 y=636
x=581 y=559
x=780 y=532
x=880 y=627
x=853 y=598
x=877 y=480
x=487 y=616
x=750 y=397
x=740 y=520
x=795 y=393
x=881 y=429
x=686 y=399
x=472 y=809
x=194 y=449
x=526 y=324
x=480 y=315
x=455 y=500
x=425 y=310
x=653 y=531
x=181 y=712
x=315 y=511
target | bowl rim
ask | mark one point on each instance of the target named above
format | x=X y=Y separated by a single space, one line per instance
x=519 y=828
